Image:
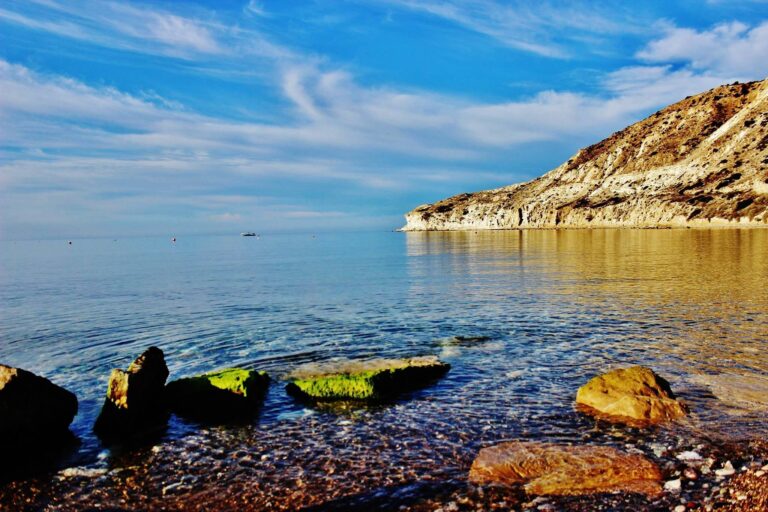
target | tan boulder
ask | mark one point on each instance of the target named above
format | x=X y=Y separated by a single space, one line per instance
x=635 y=396
x=556 y=469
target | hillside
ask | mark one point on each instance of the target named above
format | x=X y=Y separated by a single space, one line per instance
x=700 y=162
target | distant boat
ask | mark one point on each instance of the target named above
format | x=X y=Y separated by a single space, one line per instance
x=248 y=233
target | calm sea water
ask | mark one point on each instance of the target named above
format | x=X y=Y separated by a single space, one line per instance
x=552 y=308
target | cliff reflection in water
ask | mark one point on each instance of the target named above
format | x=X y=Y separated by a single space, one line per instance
x=690 y=302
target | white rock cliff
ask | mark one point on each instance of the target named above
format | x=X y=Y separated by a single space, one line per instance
x=700 y=162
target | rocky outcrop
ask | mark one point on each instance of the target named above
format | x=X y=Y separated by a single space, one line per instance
x=365 y=380
x=633 y=395
x=135 y=398
x=32 y=408
x=218 y=396
x=555 y=469
x=700 y=162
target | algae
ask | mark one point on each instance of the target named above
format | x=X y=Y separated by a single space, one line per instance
x=369 y=380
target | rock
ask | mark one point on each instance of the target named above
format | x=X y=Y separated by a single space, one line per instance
x=726 y=470
x=689 y=456
x=219 y=395
x=32 y=406
x=673 y=485
x=740 y=392
x=690 y=474
x=633 y=395
x=135 y=398
x=365 y=380
x=699 y=162
x=556 y=469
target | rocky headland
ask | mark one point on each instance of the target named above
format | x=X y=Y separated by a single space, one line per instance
x=701 y=162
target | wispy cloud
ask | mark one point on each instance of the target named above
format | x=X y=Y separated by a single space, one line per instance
x=121 y=26
x=542 y=28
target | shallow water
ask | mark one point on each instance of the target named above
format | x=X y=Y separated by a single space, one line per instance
x=550 y=309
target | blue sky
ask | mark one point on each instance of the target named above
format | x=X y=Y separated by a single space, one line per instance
x=133 y=118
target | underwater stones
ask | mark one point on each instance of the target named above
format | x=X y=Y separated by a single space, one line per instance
x=219 y=395
x=555 y=469
x=135 y=398
x=633 y=395
x=32 y=407
x=365 y=380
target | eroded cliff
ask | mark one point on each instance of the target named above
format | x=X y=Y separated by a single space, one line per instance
x=700 y=162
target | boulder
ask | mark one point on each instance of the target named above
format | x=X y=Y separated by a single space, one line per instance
x=135 y=398
x=32 y=406
x=556 y=469
x=635 y=396
x=219 y=395
x=365 y=380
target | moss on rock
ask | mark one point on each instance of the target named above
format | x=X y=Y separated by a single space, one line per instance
x=218 y=395
x=366 y=380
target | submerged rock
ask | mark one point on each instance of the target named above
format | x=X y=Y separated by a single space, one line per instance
x=366 y=380
x=32 y=406
x=633 y=395
x=219 y=395
x=555 y=469
x=135 y=398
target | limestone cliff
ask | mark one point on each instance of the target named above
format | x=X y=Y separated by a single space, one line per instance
x=700 y=162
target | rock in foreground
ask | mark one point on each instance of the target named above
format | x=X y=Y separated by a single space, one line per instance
x=219 y=395
x=633 y=395
x=366 y=380
x=135 y=398
x=32 y=406
x=565 y=470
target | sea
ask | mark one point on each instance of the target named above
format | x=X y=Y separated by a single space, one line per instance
x=523 y=317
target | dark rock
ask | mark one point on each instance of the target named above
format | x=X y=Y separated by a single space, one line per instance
x=34 y=422
x=135 y=398
x=218 y=396
x=31 y=406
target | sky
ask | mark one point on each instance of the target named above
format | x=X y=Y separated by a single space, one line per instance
x=199 y=117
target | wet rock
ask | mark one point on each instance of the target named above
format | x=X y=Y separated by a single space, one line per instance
x=32 y=408
x=556 y=469
x=365 y=380
x=633 y=395
x=135 y=398
x=218 y=396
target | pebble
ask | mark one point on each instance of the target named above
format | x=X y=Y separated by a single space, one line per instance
x=680 y=508
x=689 y=456
x=690 y=474
x=759 y=473
x=673 y=485
x=726 y=470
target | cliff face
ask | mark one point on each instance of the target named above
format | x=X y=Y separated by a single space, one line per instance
x=700 y=162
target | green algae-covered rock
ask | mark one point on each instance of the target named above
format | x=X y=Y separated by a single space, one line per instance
x=219 y=395
x=365 y=380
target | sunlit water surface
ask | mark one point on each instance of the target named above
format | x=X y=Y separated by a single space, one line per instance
x=550 y=309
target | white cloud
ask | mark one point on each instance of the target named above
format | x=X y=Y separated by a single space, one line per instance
x=123 y=26
x=730 y=49
x=541 y=28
